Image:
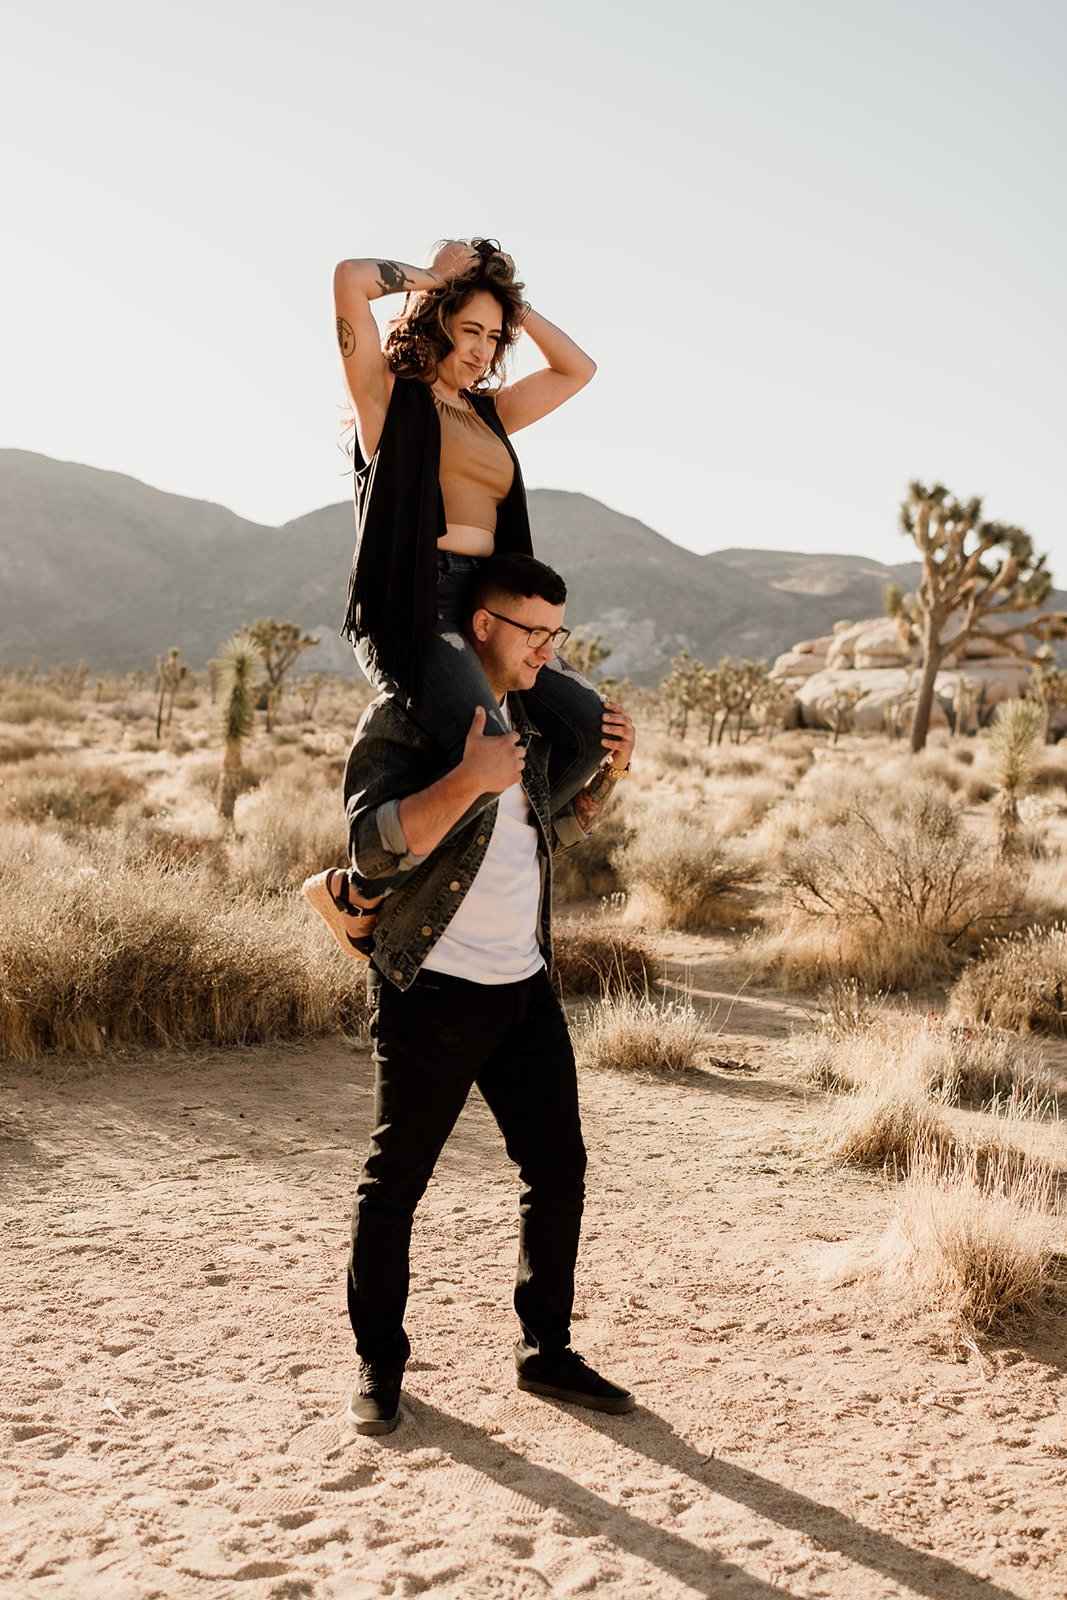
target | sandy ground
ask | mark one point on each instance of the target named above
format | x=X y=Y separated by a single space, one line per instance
x=178 y=1360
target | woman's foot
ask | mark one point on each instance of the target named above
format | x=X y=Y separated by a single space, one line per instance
x=349 y=920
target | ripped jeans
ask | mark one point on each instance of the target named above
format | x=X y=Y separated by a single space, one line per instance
x=563 y=705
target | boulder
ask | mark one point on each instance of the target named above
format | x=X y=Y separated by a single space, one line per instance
x=982 y=648
x=864 y=660
x=843 y=648
x=880 y=686
x=1000 y=680
x=813 y=647
x=795 y=665
x=875 y=643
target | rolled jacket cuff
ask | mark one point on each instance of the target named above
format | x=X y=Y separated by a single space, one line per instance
x=568 y=829
x=392 y=835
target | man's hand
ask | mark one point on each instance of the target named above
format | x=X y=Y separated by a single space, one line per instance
x=491 y=762
x=618 y=735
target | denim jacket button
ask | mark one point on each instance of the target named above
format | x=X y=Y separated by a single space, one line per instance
x=481 y=838
x=397 y=974
x=454 y=886
x=426 y=930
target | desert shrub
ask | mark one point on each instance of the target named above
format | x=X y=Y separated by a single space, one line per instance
x=1018 y=982
x=892 y=897
x=291 y=825
x=30 y=702
x=156 y=958
x=737 y=807
x=928 y=1055
x=680 y=875
x=881 y=1125
x=50 y=788
x=1051 y=773
x=635 y=1034
x=974 y=1241
x=731 y=765
x=1046 y=888
x=846 y=1007
x=590 y=869
x=23 y=747
x=593 y=959
x=257 y=763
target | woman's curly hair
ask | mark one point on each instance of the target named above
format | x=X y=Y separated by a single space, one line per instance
x=418 y=338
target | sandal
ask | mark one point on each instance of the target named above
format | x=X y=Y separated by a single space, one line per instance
x=338 y=911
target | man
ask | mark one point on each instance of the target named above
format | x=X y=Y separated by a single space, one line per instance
x=460 y=990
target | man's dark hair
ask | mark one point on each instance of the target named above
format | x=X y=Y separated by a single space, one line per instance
x=510 y=576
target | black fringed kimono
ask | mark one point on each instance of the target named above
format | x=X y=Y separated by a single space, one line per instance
x=400 y=515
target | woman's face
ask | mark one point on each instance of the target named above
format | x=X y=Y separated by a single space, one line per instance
x=475 y=331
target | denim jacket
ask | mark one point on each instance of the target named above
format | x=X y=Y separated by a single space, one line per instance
x=390 y=759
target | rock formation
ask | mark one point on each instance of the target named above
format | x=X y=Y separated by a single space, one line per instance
x=877 y=657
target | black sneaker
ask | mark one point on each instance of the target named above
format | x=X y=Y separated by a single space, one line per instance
x=563 y=1375
x=375 y=1403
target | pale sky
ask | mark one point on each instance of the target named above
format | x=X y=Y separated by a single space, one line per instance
x=815 y=246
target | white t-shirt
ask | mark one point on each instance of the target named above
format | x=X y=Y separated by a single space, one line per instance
x=493 y=936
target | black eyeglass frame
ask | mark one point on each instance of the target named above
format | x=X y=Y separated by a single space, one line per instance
x=557 y=637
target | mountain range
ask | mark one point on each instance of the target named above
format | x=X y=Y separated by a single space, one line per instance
x=99 y=567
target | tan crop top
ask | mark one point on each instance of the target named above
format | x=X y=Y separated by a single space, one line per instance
x=476 y=469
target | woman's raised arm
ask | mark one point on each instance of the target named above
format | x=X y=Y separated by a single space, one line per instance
x=370 y=383
x=569 y=369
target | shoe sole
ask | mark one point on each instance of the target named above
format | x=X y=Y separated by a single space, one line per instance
x=319 y=898
x=574 y=1397
x=372 y=1424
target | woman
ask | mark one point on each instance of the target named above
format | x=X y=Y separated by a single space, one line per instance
x=438 y=488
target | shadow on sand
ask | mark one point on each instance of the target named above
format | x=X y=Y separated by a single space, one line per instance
x=691 y=1564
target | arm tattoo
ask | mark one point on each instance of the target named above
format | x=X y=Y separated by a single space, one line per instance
x=585 y=809
x=392 y=278
x=345 y=337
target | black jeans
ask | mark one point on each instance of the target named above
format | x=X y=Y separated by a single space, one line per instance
x=432 y=1042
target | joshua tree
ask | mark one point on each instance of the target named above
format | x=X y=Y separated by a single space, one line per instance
x=170 y=670
x=892 y=600
x=967 y=696
x=587 y=653
x=842 y=704
x=238 y=671
x=681 y=691
x=309 y=690
x=737 y=687
x=1015 y=739
x=279 y=644
x=1047 y=686
x=974 y=574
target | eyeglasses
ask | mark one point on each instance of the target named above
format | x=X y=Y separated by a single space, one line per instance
x=537 y=638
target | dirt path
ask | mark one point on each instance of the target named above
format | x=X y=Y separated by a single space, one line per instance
x=178 y=1358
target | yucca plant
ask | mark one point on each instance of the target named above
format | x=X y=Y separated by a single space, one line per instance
x=1016 y=740
x=239 y=672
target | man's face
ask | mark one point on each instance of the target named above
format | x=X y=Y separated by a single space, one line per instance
x=511 y=662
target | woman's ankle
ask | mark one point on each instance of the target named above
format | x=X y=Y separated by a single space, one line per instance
x=364 y=902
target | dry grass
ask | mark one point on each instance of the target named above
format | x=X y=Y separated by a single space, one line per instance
x=895 y=895
x=291 y=825
x=1019 y=982
x=929 y=1055
x=679 y=875
x=589 y=870
x=979 y=1242
x=631 y=1034
x=32 y=702
x=882 y=1125
x=22 y=746
x=60 y=789
x=593 y=959
x=96 y=954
